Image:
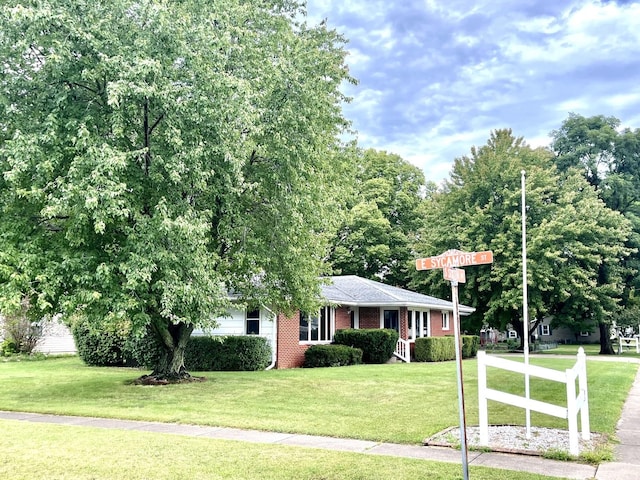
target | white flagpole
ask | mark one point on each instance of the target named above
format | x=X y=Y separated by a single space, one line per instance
x=525 y=309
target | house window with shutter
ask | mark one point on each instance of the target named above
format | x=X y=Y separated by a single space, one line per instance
x=545 y=330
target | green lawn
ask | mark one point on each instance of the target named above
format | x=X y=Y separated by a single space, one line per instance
x=401 y=403
x=40 y=451
x=589 y=349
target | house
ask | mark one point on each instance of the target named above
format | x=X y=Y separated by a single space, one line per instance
x=351 y=302
x=545 y=333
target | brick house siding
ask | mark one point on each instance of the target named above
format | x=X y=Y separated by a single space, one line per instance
x=343 y=318
x=290 y=353
x=436 y=324
x=369 y=317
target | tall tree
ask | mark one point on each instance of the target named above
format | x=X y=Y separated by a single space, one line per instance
x=375 y=239
x=156 y=155
x=571 y=235
x=609 y=158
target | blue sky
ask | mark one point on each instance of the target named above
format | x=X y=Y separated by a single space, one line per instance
x=435 y=77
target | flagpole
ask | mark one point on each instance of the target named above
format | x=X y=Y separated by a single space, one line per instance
x=525 y=310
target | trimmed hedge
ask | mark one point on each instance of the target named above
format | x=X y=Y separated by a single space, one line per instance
x=100 y=347
x=470 y=344
x=377 y=345
x=108 y=346
x=440 y=349
x=331 y=356
x=434 y=349
x=232 y=353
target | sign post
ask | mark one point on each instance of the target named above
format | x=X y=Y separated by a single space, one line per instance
x=449 y=261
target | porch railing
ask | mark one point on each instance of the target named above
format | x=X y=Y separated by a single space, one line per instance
x=403 y=351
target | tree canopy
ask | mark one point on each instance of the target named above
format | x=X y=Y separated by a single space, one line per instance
x=574 y=242
x=382 y=218
x=156 y=155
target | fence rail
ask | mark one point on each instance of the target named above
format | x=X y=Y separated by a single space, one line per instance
x=576 y=403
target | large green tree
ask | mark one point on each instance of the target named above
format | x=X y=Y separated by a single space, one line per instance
x=574 y=242
x=382 y=219
x=156 y=155
x=609 y=159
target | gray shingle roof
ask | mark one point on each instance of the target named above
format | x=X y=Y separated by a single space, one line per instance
x=357 y=291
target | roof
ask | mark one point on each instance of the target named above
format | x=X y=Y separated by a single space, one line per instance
x=357 y=291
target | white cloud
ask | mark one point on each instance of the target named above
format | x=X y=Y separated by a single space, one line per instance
x=436 y=77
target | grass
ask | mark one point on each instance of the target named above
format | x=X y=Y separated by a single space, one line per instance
x=34 y=451
x=400 y=403
x=589 y=350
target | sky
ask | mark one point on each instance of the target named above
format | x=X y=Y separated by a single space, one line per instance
x=436 y=77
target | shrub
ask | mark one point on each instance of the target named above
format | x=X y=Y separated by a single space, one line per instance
x=18 y=328
x=142 y=351
x=377 y=345
x=246 y=353
x=435 y=349
x=99 y=346
x=470 y=345
x=8 y=347
x=232 y=353
x=331 y=356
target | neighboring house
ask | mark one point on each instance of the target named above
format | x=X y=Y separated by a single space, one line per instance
x=546 y=333
x=351 y=302
x=55 y=337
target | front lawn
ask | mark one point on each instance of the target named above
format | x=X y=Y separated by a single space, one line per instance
x=39 y=451
x=401 y=403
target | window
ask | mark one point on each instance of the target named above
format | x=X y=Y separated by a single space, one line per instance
x=391 y=320
x=252 y=323
x=445 y=320
x=316 y=327
x=513 y=334
x=420 y=320
x=584 y=334
x=545 y=330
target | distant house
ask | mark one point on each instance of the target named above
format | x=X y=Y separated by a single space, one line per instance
x=351 y=302
x=546 y=333
x=55 y=337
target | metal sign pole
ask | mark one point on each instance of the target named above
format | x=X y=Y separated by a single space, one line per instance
x=461 y=411
x=525 y=310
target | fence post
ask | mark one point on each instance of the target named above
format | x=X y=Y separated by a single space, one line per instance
x=572 y=413
x=483 y=414
x=584 y=395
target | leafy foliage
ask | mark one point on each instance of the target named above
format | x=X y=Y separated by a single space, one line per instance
x=609 y=159
x=154 y=156
x=232 y=353
x=375 y=239
x=331 y=356
x=435 y=349
x=377 y=345
x=574 y=242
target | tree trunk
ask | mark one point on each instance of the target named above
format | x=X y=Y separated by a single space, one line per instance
x=606 y=347
x=170 y=367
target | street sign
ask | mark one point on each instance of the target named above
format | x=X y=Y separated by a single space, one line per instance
x=454 y=258
x=454 y=274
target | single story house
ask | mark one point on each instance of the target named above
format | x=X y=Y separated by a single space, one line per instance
x=351 y=302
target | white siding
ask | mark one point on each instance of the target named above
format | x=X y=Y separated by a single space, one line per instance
x=234 y=324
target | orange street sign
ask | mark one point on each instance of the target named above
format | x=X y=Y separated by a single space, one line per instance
x=454 y=258
x=454 y=274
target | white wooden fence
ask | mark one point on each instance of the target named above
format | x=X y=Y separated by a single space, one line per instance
x=575 y=403
x=628 y=341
